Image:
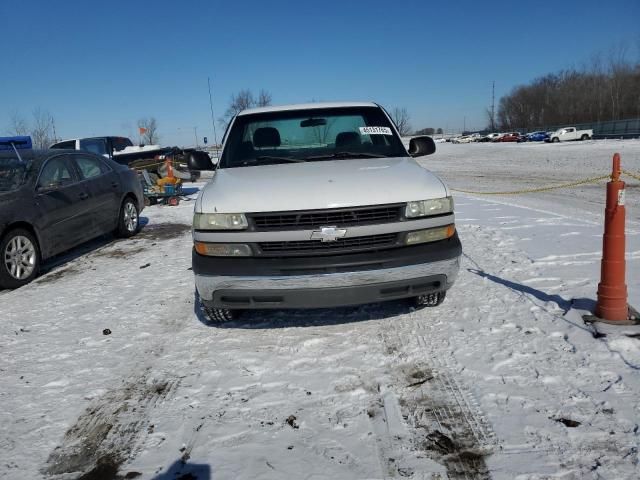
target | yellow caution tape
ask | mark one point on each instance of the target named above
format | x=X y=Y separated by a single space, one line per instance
x=147 y=165
x=632 y=175
x=538 y=189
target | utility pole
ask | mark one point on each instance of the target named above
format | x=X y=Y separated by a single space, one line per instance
x=493 y=106
x=195 y=132
x=53 y=124
x=464 y=125
x=213 y=122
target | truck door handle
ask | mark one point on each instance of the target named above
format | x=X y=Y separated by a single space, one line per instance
x=83 y=196
x=115 y=184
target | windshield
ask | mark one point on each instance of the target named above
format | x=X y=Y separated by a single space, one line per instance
x=12 y=173
x=310 y=135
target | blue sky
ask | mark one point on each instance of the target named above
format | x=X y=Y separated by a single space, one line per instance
x=100 y=66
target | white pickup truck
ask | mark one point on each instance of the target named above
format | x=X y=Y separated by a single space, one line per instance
x=570 y=133
x=321 y=205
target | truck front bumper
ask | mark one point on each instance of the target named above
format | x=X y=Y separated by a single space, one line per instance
x=328 y=290
x=398 y=276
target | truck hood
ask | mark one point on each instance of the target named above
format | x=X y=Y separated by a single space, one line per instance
x=318 y=185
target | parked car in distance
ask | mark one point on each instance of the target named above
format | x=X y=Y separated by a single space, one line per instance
x=321 y=205
x=538 y=136
x=462 y=139
x=570 y=133
x=498 y=137
x=53 y=200
x=508 y=137
x=490 y=137
x=475 y=137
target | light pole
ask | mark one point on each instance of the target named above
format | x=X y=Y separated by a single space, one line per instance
x=213 y=123
x=195 y=132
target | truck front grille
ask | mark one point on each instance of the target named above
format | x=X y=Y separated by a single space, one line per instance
x=339 y=217
x=317 y=247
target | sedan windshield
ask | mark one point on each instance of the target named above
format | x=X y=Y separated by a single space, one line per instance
x=310 y=135
x=12 y=173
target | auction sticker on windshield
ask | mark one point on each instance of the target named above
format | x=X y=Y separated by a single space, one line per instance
x=375 y=131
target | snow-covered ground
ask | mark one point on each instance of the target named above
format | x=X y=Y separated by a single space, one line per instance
x=502 y=381
x=515 y=166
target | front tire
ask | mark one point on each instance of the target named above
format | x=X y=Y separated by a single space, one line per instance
x=128 y=219
x=555 y=140
x=220 y=315
x=430 y=299
x=20 y=258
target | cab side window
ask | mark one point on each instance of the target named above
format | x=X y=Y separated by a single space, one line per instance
x=55 y=173
x=70 y=144
x=120 y=143
x=94 y=145
x=90 y=167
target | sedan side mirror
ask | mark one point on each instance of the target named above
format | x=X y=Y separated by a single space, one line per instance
x=420 y=146
x=199 y=161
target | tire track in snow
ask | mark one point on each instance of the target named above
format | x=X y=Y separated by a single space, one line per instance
x=260 y=378
x=429 y=340
x=445 y=421
x=528 y=338
x=110 y=430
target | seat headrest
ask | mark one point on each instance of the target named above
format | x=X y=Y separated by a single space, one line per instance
x=344 y=139
x=266 y=137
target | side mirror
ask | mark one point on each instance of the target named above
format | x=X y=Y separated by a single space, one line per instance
x=420 y=146
x=199 y=161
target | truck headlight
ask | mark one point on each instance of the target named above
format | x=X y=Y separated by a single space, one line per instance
x=430 y=235
x=424 y=208
x=223 y=249
x=220 y=221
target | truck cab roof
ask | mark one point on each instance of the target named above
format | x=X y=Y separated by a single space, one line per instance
x=306 y=106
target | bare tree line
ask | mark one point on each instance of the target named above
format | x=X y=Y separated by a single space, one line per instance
x=401 y=118
x=429 y=131
x=241 y=101
x=42 y=127
x=599 y=91
x=150 y=134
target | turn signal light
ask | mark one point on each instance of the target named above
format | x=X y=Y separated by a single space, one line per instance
x=430 y=235
x=223 y=249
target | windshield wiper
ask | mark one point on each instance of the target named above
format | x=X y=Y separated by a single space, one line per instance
x=284 y=159
x=346 y=155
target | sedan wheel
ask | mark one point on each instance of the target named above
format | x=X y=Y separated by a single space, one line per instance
x=20 y=260
x=129 y=220
x=130 y=217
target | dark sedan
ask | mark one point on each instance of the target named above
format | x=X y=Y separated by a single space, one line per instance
x=53 y=200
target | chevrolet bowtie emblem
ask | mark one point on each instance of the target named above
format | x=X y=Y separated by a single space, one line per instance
x=328 y=234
